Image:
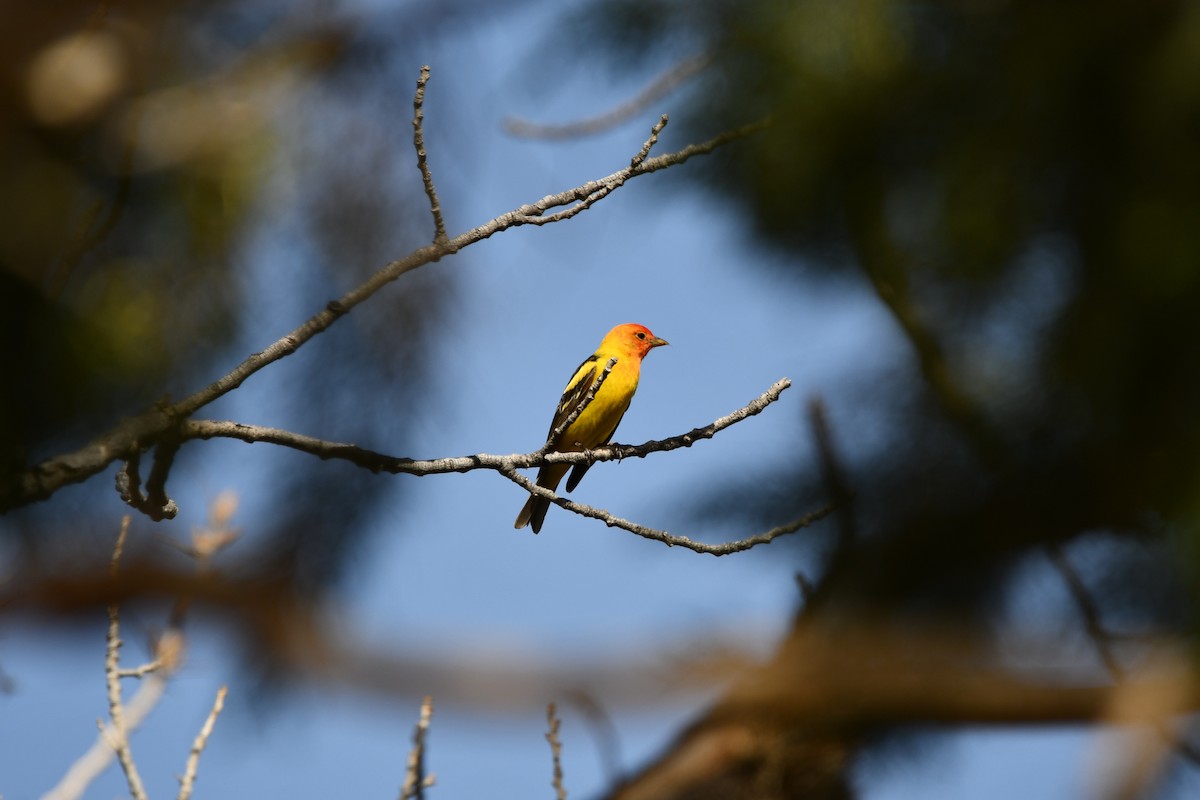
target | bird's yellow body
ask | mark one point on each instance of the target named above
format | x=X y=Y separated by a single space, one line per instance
x=595 y=426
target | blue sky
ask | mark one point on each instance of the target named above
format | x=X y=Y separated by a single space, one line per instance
x=531 y=304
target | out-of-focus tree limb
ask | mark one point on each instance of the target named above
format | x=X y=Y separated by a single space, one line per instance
x=665 y=83
x=800 y=717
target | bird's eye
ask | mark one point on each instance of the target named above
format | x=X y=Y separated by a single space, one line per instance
x=640 y=335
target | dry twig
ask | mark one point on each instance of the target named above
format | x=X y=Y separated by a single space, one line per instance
x=188 y=781
x=415 y=779
x=117 y=733
x=418 y=123
x=560 y=791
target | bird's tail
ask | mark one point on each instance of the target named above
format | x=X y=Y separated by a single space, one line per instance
x=535 y=508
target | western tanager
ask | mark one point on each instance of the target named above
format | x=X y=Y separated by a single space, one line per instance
x=629 y=344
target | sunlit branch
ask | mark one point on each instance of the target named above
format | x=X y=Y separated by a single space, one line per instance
x=508 y=465
x=669 y=539
x=118 y=733
x=138 y=433
x=188 y=781
x=169 y=649
x=607 y=188
x=380 y=462
x=418 y=123
x=415 y=779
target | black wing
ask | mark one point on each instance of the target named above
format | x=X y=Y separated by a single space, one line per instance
x=585 y=375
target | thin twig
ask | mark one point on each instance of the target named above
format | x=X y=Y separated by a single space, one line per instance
x=168 y=656
x=603 y=191
x=118 y=733
x=657 y=89
x=435 y=207
x=415 y=779
x=648 y=145
x=669 y=539
x=560 y=791
x=188 y=781
x=1088 y=608
x=1102 y=639
x=587 y=399
x=141 y=671
x=137 y=433
x=89 y=766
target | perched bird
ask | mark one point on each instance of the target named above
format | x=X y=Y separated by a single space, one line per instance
x=629 y=344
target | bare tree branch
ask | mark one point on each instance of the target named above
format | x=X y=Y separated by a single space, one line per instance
x=169 y=649
x=118 y=733
x=136 y=434
x=508 y=465
x=380 y=462
x=608 y=187
x=669 y=539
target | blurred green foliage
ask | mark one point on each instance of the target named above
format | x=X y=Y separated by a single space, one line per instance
x=1019 y=184
x=146 y=153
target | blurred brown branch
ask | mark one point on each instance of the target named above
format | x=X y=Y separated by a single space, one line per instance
x=858 y=674
x=801 y=716
x=552 y=721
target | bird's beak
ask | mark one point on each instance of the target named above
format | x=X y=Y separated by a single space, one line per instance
x=657 y=342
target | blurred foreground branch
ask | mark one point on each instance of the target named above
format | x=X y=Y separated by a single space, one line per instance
x=801 y=717
x=860 y=674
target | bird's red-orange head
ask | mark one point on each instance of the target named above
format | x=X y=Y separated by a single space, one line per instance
x=632 y=339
